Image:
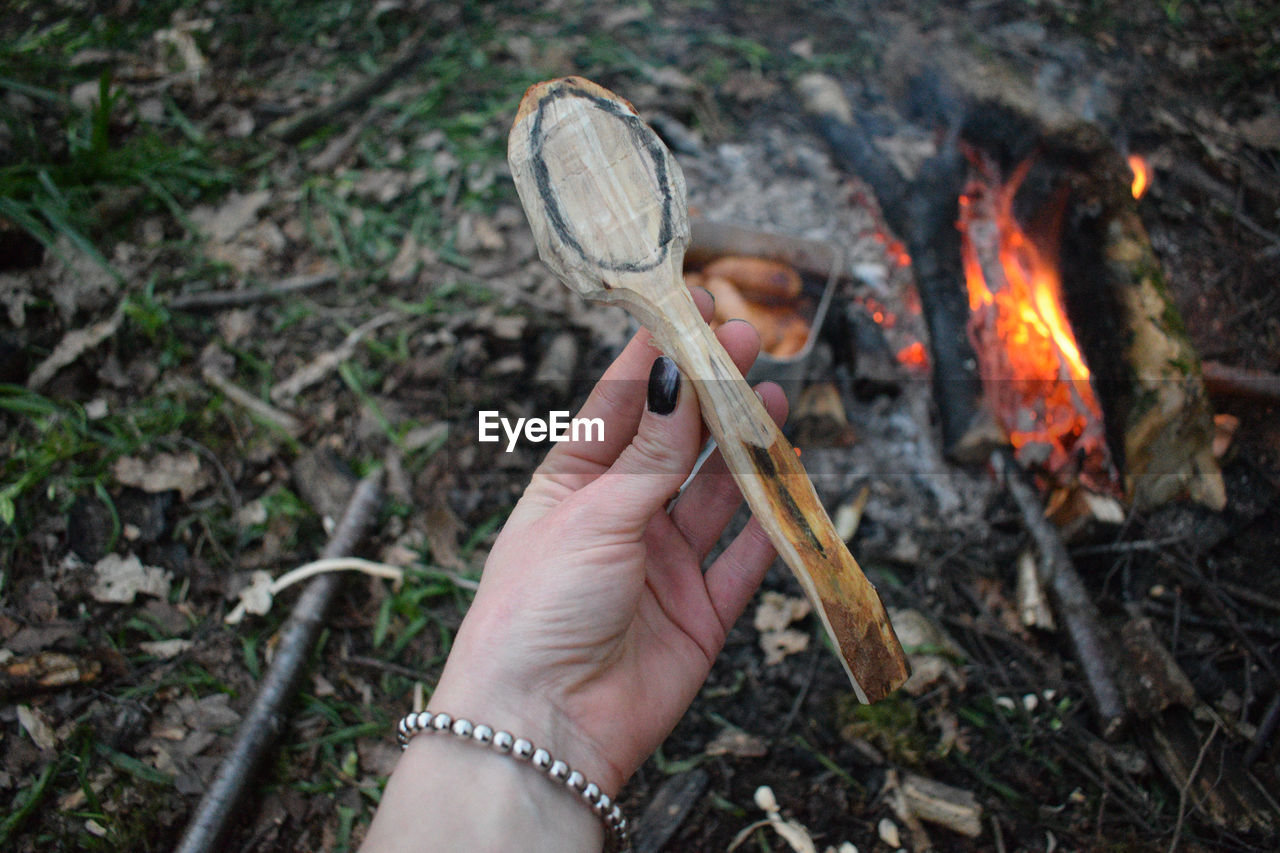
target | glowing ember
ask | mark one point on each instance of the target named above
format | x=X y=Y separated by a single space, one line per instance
x=1033 y=374
x=1141 y=175
x=913 y=355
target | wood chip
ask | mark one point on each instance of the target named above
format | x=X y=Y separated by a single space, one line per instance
x=34 y=724
x=945 y=805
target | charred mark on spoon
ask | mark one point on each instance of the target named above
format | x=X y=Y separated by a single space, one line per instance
x=645 y=140
x=765 y=464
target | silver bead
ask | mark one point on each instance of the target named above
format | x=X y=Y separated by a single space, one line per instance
x=602 y=805
x=502 y=741
x=614 y=819
x=559 y=771
x=575 y=782
x=442 y=722
x=591 y=793
x=521 y=750
x=463 y=728
x=420 y=722
x=482 y=734
x=541 y=759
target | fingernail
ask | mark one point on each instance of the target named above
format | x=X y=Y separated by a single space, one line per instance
x=664 y=386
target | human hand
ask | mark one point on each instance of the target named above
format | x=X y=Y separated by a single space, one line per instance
x=594 y=625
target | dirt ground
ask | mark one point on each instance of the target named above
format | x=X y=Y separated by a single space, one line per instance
x=227 y=294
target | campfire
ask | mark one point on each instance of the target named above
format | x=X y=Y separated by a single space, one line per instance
x=1034 y=377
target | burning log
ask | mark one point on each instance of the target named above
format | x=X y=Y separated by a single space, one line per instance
x=1033 y=374
x=1160 y=424
x=923 y=213
x=1130 y=350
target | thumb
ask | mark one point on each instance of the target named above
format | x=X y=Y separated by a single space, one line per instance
x=653 y=466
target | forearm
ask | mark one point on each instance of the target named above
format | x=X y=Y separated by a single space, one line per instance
x=447 y=795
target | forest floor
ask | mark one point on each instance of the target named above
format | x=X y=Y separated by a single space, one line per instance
x=215 y=316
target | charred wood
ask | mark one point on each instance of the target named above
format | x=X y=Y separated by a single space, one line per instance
x=1146 y=371
x=923 y=213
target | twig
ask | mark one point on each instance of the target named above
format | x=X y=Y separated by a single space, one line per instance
x=1078 y=613
x=283 y=421
x=1194 y=574
x=302 y=125
x=385 y=666
x=327 y=362
x=214 y=300
x=1229 y=381
x=1250 y=596
x=1126 y=547
x=338 y=147
x=266 y=718
x=73 y=346
x=794 y=711
x=1262 y=738
x=1191 y=778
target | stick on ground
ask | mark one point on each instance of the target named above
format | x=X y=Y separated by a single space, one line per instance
x=267 y=717
x=1075 y=609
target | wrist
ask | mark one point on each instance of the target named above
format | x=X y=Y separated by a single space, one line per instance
x=537 y=718
x=476 y=799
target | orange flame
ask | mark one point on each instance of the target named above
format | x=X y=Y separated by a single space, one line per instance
x=1141 y=175
x=1033 y=373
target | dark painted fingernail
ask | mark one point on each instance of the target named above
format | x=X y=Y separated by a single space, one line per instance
x=664 y=386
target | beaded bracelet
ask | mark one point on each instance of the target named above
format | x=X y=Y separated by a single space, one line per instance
x=615 y=823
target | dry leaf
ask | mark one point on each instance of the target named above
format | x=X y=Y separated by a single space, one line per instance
x=777 y=611
x=16 y=293
x=78 y=281
x=183 y=54
x=121 y=579
x=162 y=472
x=732 y=741
x=773 y=618
x=235 y=214
x=777 y=645
x=443 y=527
x=34 y=723
x=929 y=650
x=72 y=346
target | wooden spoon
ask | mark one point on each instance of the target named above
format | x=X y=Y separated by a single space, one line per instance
x=606 y=202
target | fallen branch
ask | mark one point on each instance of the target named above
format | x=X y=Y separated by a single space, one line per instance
x=1071 y=600
x=300 y=126
x=266 y=718
x=214 y=300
